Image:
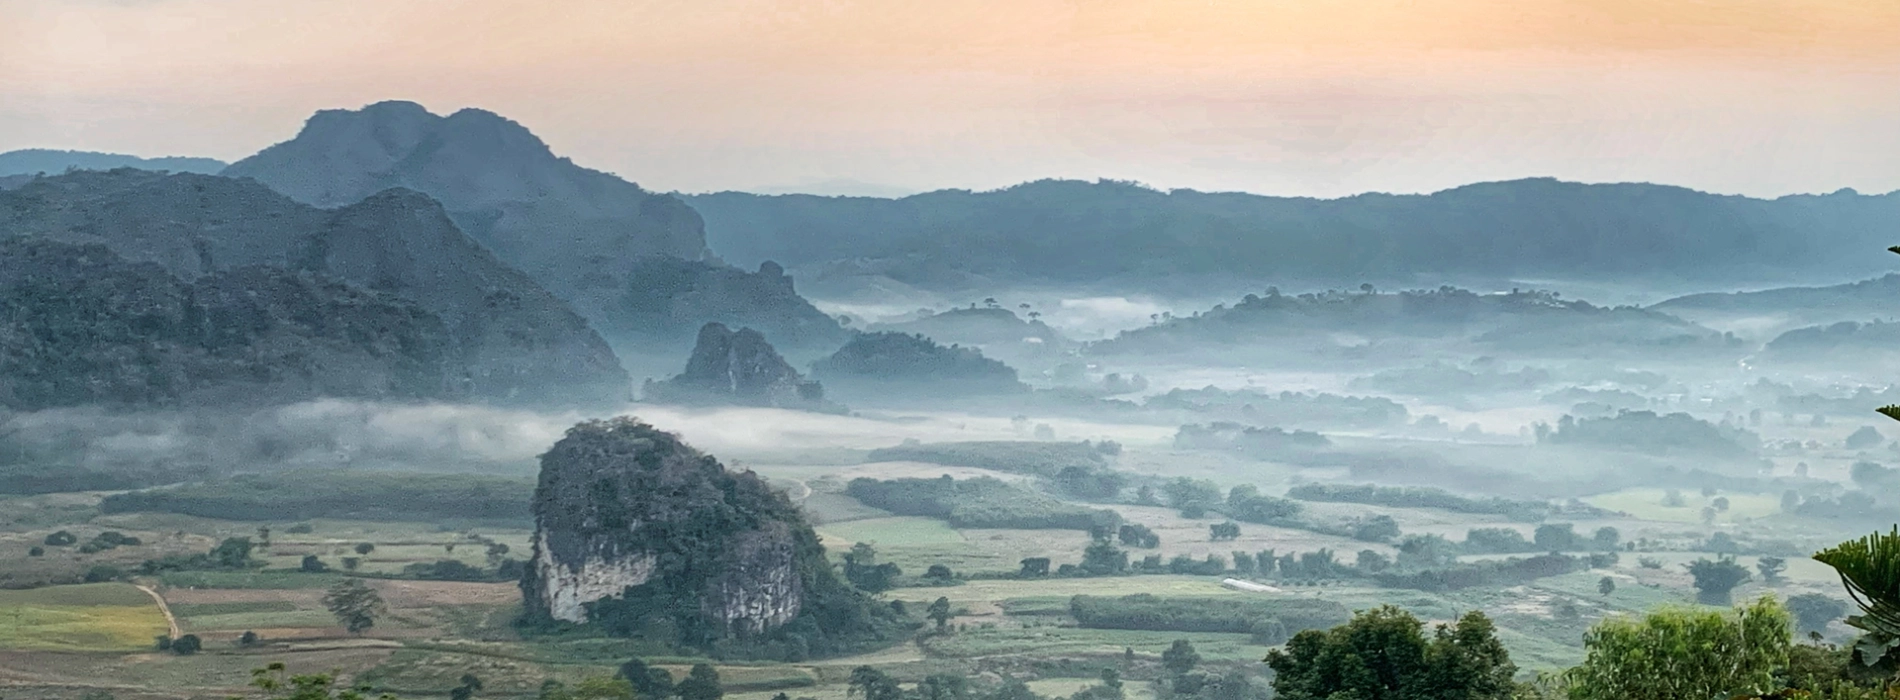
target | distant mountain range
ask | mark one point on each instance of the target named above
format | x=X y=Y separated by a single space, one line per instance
x=1123 y=235
x=38 y=161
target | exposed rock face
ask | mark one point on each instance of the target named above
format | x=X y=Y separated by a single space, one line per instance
x=573 y=229
x=85 y=326
x=515 y=340
x=633 y=526
x=737 y=368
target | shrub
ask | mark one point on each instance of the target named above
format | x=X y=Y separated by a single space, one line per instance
x=1684 y=654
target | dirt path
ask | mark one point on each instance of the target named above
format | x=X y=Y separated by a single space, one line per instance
x=162 y=607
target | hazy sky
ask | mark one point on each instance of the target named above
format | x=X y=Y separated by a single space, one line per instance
x=1319 y=97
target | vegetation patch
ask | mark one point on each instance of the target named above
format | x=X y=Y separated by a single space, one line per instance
x=980 y=503
x=1420 y=497
x=339 y=495
x=1227 y=614
x=87 y=617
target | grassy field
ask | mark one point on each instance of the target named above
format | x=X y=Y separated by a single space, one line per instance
x=86 y=617
x=1647 y=504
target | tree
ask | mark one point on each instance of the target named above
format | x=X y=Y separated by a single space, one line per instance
x=1383 y=654
x=233 y=553
x=1683 y=653
x=649 y=682
x=187 y=645
x=1870 y=570
x=701 y=683
x=61 y=538
x=36 y=551
x=364 y=548
x=248 y=639
x=943 y=686
x=1229 y=530
x=939 y=572
x=872 y=684
x=1813 y=612
x=862 y=570
x=312 y=565
x=354 y=604
x=1377 y=528
x=1555 y=537
x=1715 y=580
x=1180 y=657
x=1606 y=538
x=1141 y=536
x=1102 y=558
x=1771 y=568
x=1034 y=567
x=1372 y=562
x=469 y=686
x=1606 y=585
x=1720 y=504
x=939 y=612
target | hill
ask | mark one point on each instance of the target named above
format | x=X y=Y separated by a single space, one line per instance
x=1520 y=320
x=36 y=161
x=85 y=326
x=518 y=342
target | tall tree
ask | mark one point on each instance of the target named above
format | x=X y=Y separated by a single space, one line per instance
x=1870 y=570
x=354 y=604
x=701 y=683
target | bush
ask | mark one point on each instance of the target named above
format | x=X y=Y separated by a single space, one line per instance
x=186 y=645
x=100 y=573
x=982 y=502
x=61 y=539
x=1495 y=540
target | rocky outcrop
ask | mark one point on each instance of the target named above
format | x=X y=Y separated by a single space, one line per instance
x=516 y=341
x=85 y=326
x=634 y=529
x=573 y=229
x=737 y=368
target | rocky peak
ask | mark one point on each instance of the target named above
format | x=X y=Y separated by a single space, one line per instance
x=560 y=223
x=635 y=530
x=737 y=367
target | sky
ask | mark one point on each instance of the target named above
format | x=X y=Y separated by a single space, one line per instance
x=1289 y=97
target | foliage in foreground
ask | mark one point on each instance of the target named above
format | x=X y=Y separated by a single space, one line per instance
x=1384 y=654
x=1684 y=653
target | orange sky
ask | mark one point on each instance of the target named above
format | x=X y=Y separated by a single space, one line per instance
x=1317 y=97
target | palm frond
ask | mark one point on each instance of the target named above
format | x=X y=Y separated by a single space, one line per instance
x=1889 y=411
x=1870 y=570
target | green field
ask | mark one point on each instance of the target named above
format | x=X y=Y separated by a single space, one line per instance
x=894 y=532
x=1647 y=504
x=87 y=617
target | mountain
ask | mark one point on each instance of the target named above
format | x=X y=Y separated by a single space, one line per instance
x=36 y=161
x=572 y=228
x=1080 y=233
x=86 y=326
x=627 y=259
x=518 y=341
